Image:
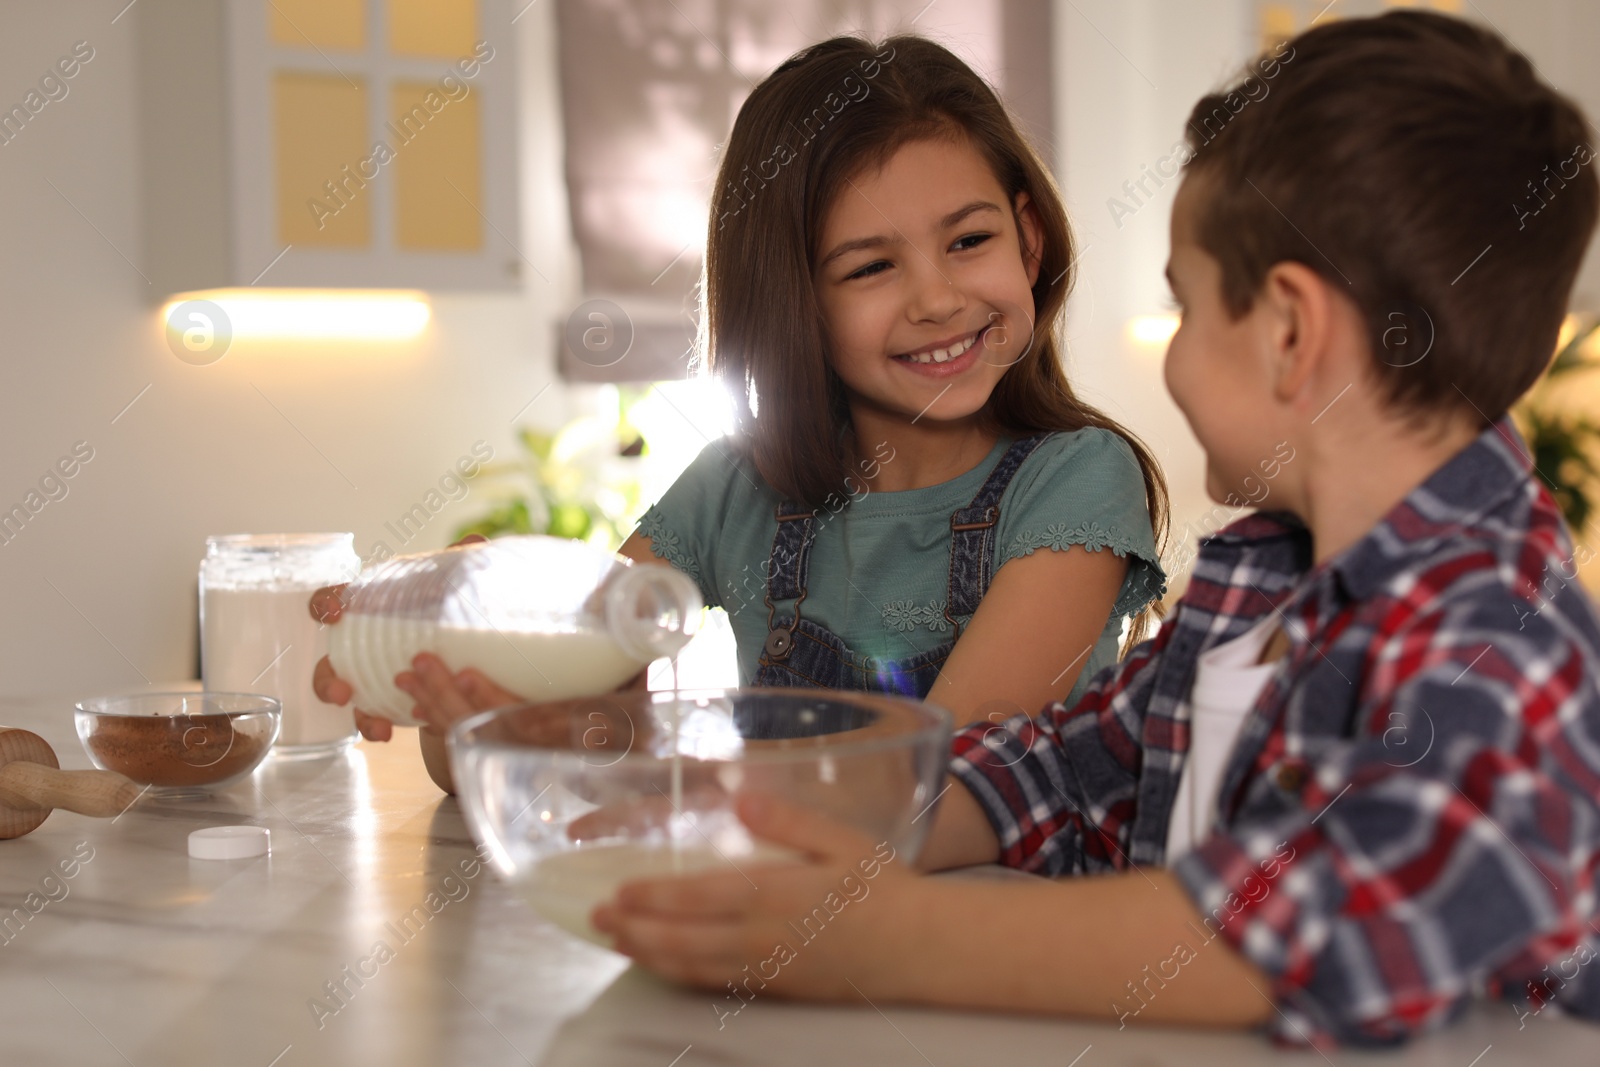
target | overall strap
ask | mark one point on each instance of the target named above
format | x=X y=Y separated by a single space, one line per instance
x=787 y=570
x=791 y=552
x=972 y=533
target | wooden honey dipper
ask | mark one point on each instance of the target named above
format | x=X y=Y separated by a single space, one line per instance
x=32 y=785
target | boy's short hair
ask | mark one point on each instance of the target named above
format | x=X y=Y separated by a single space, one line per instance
x=1418 y=160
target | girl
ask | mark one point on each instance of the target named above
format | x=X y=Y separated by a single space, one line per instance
x=886 y=265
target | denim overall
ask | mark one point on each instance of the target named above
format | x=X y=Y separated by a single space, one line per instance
x=799 y=652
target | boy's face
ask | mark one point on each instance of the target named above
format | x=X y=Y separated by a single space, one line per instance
x=1218 y=368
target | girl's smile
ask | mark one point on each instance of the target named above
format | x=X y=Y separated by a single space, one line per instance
x=945 y=359
x=921 y=260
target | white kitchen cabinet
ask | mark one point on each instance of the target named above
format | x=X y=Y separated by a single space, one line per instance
x=328 y=143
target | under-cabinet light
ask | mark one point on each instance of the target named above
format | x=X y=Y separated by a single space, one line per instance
x=345 y=314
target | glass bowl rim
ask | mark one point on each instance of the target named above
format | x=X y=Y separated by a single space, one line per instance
x=101 y=706
x=942 y=724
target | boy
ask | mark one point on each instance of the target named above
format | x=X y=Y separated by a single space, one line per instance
x=1356 y=776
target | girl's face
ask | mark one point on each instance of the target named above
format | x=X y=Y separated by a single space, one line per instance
x=924 y=284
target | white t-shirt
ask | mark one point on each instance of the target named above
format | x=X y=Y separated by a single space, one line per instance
x=1227 y=681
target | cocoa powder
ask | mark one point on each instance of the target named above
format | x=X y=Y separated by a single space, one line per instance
x=176 y=750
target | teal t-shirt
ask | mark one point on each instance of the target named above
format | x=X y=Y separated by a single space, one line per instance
x=879 y=567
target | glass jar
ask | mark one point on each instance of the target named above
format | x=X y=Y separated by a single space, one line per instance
x=257 y=634
x=544 y=617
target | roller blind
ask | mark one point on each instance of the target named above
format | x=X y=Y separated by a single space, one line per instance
x=650 y=89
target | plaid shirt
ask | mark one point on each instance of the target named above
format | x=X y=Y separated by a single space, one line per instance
x=1411 y=812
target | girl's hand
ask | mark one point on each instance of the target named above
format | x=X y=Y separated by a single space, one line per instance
x=764 y=921
x=444 y=699
x=327 y=606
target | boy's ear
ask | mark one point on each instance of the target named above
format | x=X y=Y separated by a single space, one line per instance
x=1031 y=231
x=1298 y=324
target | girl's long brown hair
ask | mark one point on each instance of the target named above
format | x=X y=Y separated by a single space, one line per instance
x=828 y=113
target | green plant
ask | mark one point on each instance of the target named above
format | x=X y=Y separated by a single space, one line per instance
x=1563 y=445
x=577 y=482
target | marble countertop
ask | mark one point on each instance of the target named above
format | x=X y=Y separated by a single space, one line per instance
x=149 y=958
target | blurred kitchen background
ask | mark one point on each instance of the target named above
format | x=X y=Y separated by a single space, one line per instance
x=224 y=312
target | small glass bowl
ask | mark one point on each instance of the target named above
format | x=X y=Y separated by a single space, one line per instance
x=573 y=798
x=181 y=745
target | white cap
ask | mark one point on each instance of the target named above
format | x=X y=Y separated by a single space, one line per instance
x=230 y=842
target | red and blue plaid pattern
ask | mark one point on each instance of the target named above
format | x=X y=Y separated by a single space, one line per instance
x=1411 y=813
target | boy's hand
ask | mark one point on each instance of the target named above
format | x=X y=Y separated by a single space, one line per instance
x=706 y=930
x=1040 y=945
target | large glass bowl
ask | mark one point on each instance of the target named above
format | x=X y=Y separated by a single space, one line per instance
x=179 y=744
x=573 y=798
